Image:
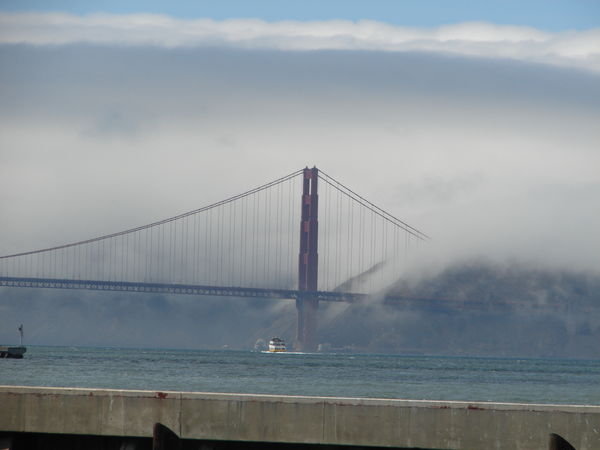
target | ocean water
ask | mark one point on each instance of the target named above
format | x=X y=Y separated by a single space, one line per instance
x=339 y=375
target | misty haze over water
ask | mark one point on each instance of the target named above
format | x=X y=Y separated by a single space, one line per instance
x=479 y=309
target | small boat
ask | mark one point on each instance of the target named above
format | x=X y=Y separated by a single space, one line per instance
x=276 y=345
x=12 y=352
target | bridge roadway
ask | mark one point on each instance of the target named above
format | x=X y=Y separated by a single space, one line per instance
x=245 y=292
x=174 y=288
x=222 y=291
x=274 y=419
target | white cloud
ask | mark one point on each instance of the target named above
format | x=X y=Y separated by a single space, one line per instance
x=570 y=48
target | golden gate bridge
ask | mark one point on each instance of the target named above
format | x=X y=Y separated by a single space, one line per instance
x=244 y=246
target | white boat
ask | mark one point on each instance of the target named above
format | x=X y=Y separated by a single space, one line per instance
x=276 y=345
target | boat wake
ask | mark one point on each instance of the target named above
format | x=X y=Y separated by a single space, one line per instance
x=287 y=353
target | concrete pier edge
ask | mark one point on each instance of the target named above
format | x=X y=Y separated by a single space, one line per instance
x=297 y=419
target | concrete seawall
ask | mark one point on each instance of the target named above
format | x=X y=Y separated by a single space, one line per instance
x=287 y=419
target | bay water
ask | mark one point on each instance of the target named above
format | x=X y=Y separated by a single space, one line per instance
x=559 y=381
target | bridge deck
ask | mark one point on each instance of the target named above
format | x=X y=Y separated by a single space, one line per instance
x=247 y=292
x=173 y=288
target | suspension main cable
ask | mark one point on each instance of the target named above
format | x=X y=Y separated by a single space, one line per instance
x=164 y=221
x=372 y=207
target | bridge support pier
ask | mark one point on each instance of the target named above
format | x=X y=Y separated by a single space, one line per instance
x=308 y=264
x=306 y=338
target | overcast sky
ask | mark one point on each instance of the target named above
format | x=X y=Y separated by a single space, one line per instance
x=478 y=125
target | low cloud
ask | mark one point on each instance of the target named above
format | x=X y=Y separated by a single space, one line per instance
x=491 y=157
x=478 y=39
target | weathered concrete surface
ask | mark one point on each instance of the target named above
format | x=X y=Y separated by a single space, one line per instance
x=266 y=418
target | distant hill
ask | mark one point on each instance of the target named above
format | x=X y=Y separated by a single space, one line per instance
x=479 y=309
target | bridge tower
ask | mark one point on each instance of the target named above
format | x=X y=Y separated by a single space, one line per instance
x=308 y=265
